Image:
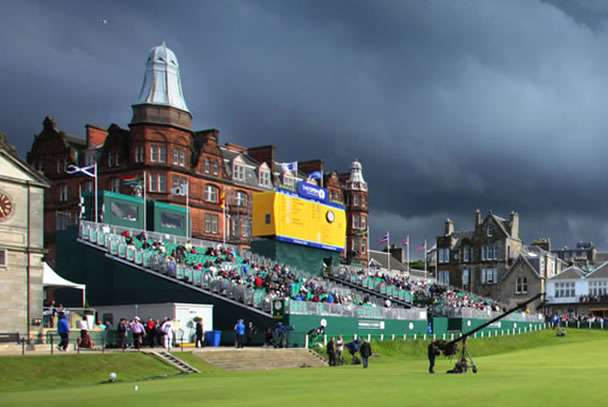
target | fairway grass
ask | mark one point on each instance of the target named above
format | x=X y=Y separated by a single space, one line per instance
x=563 y=374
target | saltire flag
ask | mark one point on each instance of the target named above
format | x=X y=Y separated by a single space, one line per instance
x=421 y=248
x=222 y=199
x=383 y=239
x=181 y=190
x=405 y=241
x=133 y=180
x=362 y=233
x=293 y=166
x=74 y=169
x=432 y=249
x=315 y=175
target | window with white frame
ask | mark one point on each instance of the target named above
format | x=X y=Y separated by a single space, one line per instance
x=363 y=201
x=3 y=258
x=210 y=223
x=162 y=154
x=597 y=287
x=215 y=167
x=115 y=185
x=444 y=255
x=238 y=171
x=465 y=277
x=240 y=199
x=356 y=222
x=182 y=158
x=139 y=154
x=466 y=253
x=210 y=193
x=489 y=253
x=444 y=277
x=63 y=192
x=158 y=183
x=265 y=178
x=110 y=159
x=489 y=276
x=236 y=231
x=289 y=179
x=521 y=285
x=363 y=222
x=153 y=153
x=207 y=166
x=175 y=157
x=117 y=158
x=490 y=230
x=65 y=164
x=356 y=200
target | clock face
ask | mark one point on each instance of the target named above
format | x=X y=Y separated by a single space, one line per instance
x=6 y=207
x=330 y=216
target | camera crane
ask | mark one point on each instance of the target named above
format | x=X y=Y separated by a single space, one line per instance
x=464 y=357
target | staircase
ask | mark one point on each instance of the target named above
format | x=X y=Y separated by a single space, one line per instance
x=262 y=359
x=174 y=361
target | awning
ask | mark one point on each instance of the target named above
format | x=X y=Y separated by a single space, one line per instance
x=52 y=279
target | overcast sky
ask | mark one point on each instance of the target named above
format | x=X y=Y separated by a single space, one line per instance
x=449 y=105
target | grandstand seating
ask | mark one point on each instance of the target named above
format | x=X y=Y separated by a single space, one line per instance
x=228 y=274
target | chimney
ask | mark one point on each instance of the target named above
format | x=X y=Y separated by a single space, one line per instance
x=449 y=227
x=477 y=218
x=514 y=223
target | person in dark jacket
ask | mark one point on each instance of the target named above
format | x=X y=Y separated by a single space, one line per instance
x=366 y=352
x=250 y=333
x=433 y=351
x=199 y=332
x=63 y=329
x=331 y=351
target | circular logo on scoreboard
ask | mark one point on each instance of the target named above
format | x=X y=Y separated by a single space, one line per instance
x=330 y=216
x=278 y=305
x=6 y=207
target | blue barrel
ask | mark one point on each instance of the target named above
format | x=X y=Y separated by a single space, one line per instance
x=213 y=338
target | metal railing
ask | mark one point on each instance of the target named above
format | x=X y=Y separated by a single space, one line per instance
x=478 y=314
x=353 y=311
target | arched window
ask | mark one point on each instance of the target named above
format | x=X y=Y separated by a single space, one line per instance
x=210 y=193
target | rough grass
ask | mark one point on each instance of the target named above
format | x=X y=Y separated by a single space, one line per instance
x=540 y=370
x=47 y=372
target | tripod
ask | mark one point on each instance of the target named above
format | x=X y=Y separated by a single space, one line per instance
x=465 y=358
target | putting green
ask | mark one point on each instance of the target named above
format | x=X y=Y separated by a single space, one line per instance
x=557 y=375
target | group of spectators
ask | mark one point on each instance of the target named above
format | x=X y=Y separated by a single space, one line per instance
x=151 y=333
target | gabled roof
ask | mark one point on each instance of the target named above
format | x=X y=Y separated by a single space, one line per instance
x=501 y=223
x=17 y=168
x=600 y=272
x=571 y=273
x=523 y=260
x=460 y=237
x=382 y=259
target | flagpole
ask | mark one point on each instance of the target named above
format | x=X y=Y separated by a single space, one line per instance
x=388 y=251
x=188 y=231
x=145 y=202
x=408 y=253
x=224 y=219
x=79 y=202
x=425 y=260
x=96 y=218
x=367 y=235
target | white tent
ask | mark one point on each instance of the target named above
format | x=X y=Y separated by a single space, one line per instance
x=52 y=279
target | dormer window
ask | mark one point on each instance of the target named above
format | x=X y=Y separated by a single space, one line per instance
x=490 y=230
x=264 y=175
x=289 y=179
x=238 y=169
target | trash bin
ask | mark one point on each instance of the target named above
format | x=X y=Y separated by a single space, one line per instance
x=213 y=338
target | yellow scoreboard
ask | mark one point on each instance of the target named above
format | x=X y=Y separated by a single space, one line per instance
x=296 y=219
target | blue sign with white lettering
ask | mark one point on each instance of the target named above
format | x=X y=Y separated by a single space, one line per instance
x=311 y=191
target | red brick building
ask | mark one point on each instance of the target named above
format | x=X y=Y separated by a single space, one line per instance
x=160 y=142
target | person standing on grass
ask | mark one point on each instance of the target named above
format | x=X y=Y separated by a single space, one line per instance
x=239 y=330
x=366 y=352
x=199 y=332
x=138 y=332
x=340 y=350
x=63 y=329
x=251 y=331
x=331 y=351
x=433 y=351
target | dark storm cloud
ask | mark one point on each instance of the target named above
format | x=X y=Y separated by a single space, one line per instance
x=450 y=106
